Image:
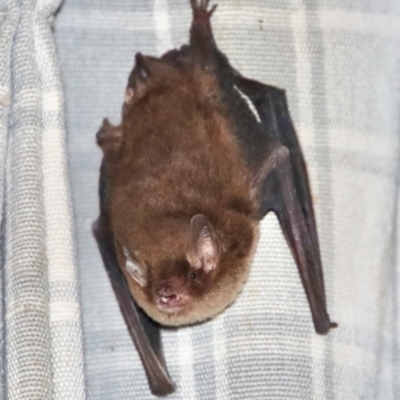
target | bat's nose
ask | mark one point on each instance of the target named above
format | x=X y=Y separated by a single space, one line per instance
x=164 y=289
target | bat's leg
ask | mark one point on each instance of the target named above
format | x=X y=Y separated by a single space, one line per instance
x=144 y=332
x=201 y=36
x=279 y=192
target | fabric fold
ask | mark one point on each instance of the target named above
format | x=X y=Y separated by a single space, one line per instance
x=42 y=347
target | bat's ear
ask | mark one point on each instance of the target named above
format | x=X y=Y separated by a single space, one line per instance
x=139 y=80
x=135 y=268
x=202 y=250
x=149 y=73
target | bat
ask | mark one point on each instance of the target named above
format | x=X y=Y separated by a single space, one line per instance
x=200 y=156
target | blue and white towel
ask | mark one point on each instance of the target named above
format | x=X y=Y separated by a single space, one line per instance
x=339 y=61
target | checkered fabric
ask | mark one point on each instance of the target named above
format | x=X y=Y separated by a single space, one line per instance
x=339 y=62
x=41 y=341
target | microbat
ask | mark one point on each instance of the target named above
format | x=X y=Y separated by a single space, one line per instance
x=185 y=180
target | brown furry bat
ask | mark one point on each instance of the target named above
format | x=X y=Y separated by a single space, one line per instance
x=185 y=179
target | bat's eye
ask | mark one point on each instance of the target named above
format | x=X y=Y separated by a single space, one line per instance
x=193 y=275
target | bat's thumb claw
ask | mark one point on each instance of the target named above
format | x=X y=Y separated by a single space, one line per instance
x=323 y=325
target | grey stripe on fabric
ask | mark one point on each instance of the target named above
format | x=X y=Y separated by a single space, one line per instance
x=3 y=366
x=8 y=23
x=395 y=283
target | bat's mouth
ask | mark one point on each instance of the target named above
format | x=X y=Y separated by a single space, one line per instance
x=172 y=303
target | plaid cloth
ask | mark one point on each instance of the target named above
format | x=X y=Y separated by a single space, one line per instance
x=41 y=344
x=339 y=62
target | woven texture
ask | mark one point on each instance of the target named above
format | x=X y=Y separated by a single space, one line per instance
x=8 y=17
x=41 y=326
x=339 y=62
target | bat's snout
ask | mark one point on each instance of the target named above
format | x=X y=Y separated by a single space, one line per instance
x=169 y=297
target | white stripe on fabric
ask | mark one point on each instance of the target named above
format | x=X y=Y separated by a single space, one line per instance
x=64 y=311
x=220 y=359
x=163 y=28
x=186 y=385
x=65 y=322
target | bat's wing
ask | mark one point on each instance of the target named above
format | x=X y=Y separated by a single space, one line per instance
x=144 y=332
x=283 y=185
x=272 y=150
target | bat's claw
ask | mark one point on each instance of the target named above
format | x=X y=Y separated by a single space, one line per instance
x=200 y=32
x=201 y=15
x=103 y=132
x=323 y=326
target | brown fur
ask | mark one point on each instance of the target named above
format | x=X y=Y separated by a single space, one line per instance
x=177 y=157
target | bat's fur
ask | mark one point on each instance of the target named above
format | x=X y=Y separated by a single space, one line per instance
x=174 y=156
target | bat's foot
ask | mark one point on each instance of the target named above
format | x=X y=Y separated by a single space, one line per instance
x=103 y=132
x=202 y=16
x=201 y=38
x=109 y=137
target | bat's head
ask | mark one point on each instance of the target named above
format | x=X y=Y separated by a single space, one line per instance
x=195 y=279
